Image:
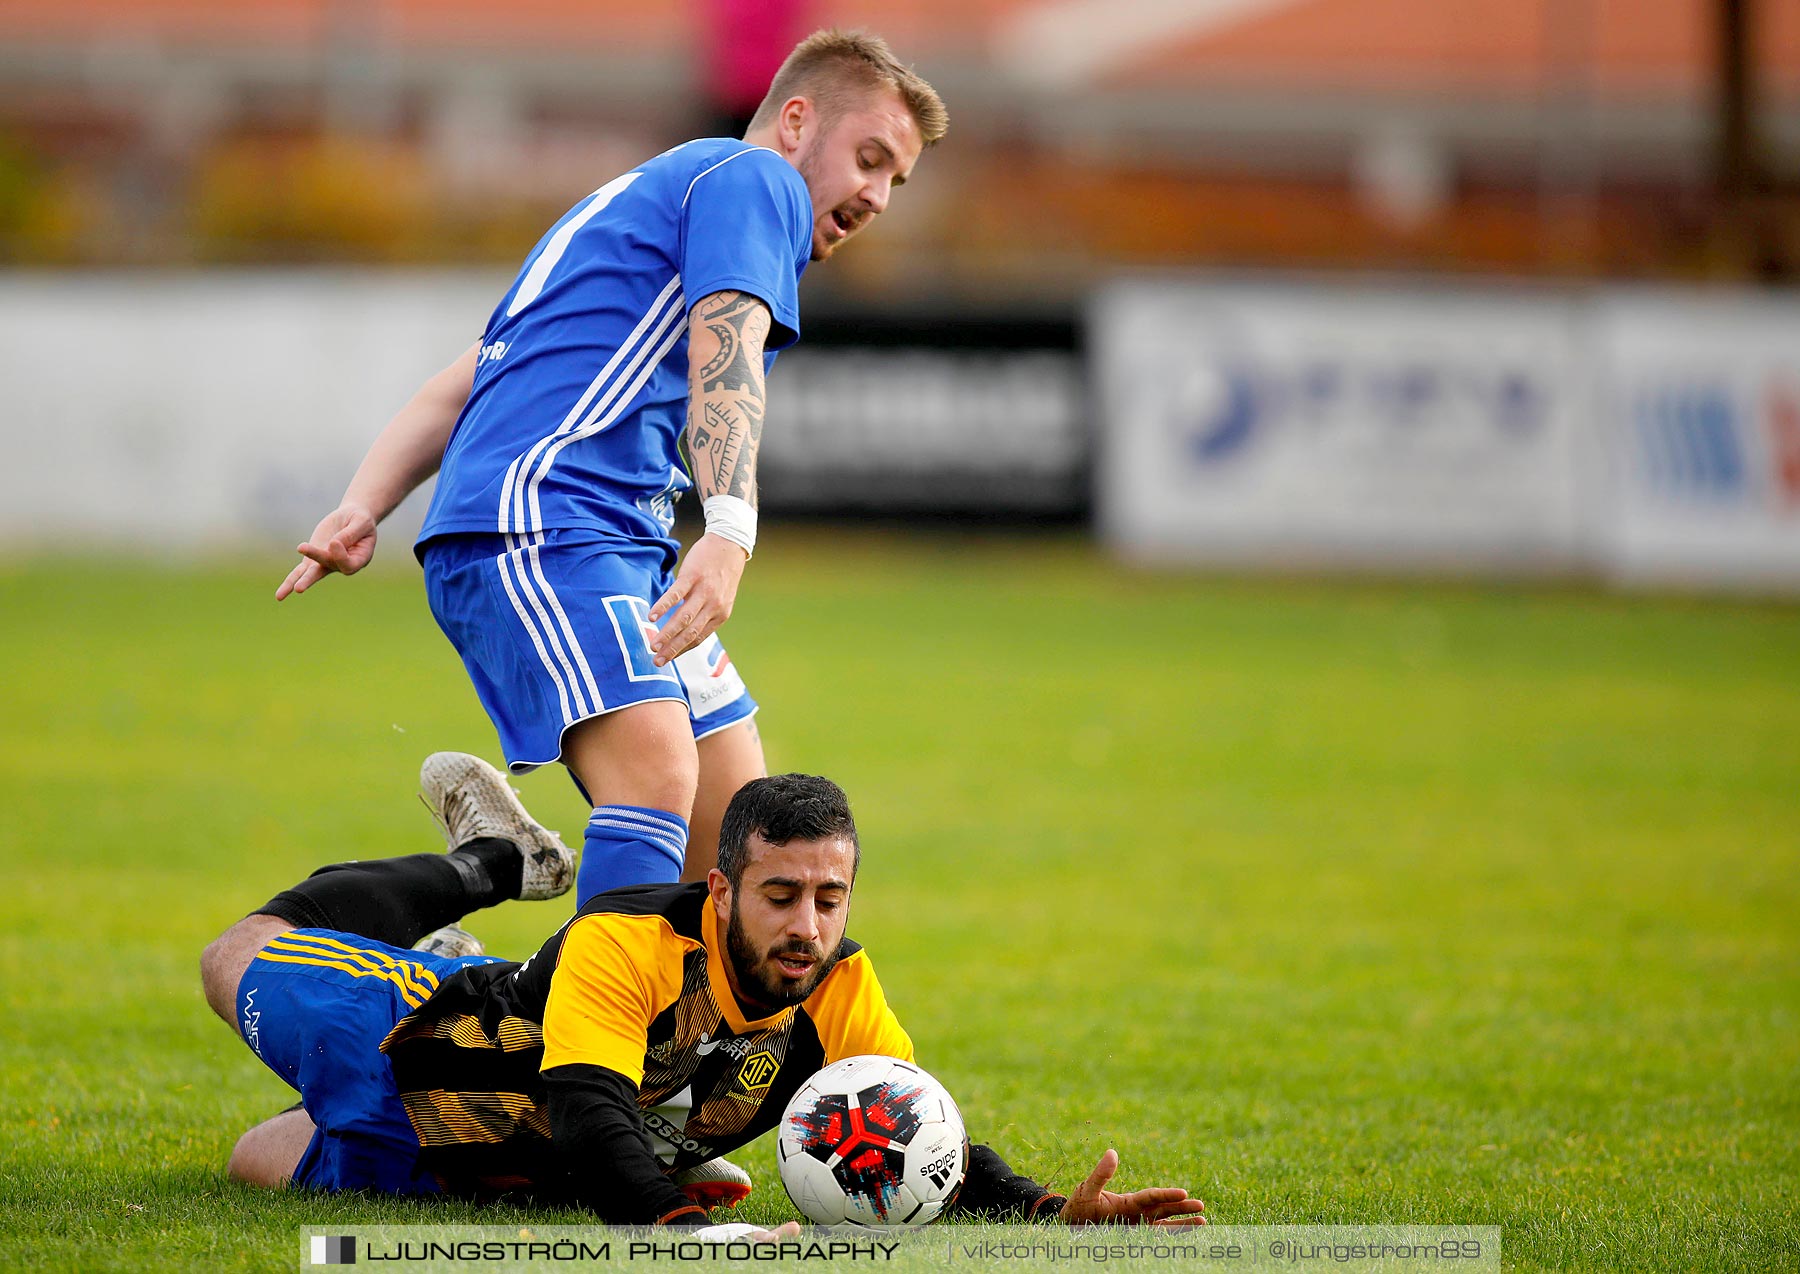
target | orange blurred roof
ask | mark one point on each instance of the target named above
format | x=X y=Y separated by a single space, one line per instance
x=1615 y=46
x=551 y=24
x=1658 y=47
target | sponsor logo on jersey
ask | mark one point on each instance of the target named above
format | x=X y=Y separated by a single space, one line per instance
x=492 y=352
x=734 y=1046
x=675 y=1136
x=252 y=1021
x=631 y=619
x=661 y=506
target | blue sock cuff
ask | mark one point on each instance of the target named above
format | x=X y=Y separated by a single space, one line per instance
x=665 y=831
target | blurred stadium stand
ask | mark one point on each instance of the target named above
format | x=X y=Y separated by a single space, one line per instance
x=1568 y=137
x=955 y=360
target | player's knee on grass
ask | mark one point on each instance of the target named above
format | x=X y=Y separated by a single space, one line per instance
x=269 y=1153
x=226 y=957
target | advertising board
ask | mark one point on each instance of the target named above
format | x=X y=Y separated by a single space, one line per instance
x=1314 y=425
x=1701 y=400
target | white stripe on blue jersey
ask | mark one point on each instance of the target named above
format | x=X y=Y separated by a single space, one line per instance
x=642 y=365
x=669 y=302
x=546 y=441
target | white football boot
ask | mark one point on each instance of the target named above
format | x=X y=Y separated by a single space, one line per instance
x=715 y=1183
x=449 y=942
x=470 y=799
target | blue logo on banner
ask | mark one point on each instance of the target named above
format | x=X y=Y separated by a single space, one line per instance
x=1228 y=406
x=1692 y=440
x=1229 y=427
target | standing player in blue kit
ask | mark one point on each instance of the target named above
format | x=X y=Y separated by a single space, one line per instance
x=625 y=366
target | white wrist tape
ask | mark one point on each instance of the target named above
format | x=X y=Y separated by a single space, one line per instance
x=734 y=519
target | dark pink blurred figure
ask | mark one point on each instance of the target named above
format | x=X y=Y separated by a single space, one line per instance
x=742 y=44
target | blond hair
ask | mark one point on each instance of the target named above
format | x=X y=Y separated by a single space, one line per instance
x=836 y=68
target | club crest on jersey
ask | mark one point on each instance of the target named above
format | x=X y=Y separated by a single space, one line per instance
x=661 y=506
x=758 y=1071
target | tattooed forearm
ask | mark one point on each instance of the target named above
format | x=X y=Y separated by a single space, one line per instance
x=728 y=438
x=726 y=334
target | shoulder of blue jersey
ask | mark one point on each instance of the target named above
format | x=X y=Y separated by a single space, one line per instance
x=741 y=167
x=738 y=163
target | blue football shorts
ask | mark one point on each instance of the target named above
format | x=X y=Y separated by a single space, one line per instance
x=315 y=1005
x=551 y=627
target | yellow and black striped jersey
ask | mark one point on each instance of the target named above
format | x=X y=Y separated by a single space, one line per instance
x=635 y=985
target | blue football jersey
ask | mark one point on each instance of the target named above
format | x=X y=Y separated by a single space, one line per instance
x=580 y=394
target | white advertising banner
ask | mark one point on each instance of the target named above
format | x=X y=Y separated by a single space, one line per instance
x=191 y=410
x=171 y=410
x=1314 y=425
x=1702 y=407
x=1648 y=435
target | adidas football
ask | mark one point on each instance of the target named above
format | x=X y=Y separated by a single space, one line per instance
x=875 y=1142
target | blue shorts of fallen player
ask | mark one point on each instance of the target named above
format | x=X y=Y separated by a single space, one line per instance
x=315 y=1005
x=551 y=627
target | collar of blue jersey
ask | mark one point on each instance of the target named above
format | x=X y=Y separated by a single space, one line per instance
x=723 y=995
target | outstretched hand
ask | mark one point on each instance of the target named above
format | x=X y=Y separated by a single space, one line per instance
x=1093 y=1204
x=343 y=543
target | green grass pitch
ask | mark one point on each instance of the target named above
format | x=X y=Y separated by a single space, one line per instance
x=1335 y=902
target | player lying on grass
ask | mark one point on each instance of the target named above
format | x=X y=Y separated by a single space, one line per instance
x=634 y=1047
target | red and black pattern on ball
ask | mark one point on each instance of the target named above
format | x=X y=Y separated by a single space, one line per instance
x=868 y=1139
x=821 y=1127
x=891 y=1110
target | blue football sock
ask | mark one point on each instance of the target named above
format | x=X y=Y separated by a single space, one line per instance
x=630 y=845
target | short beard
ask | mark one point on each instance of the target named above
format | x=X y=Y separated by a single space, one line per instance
x=808 y=163
x=809 y=168
x=745 y=960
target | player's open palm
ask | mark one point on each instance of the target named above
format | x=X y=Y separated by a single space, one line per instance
x=1093 y=1204
x=705 y=589
x=342 y=543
